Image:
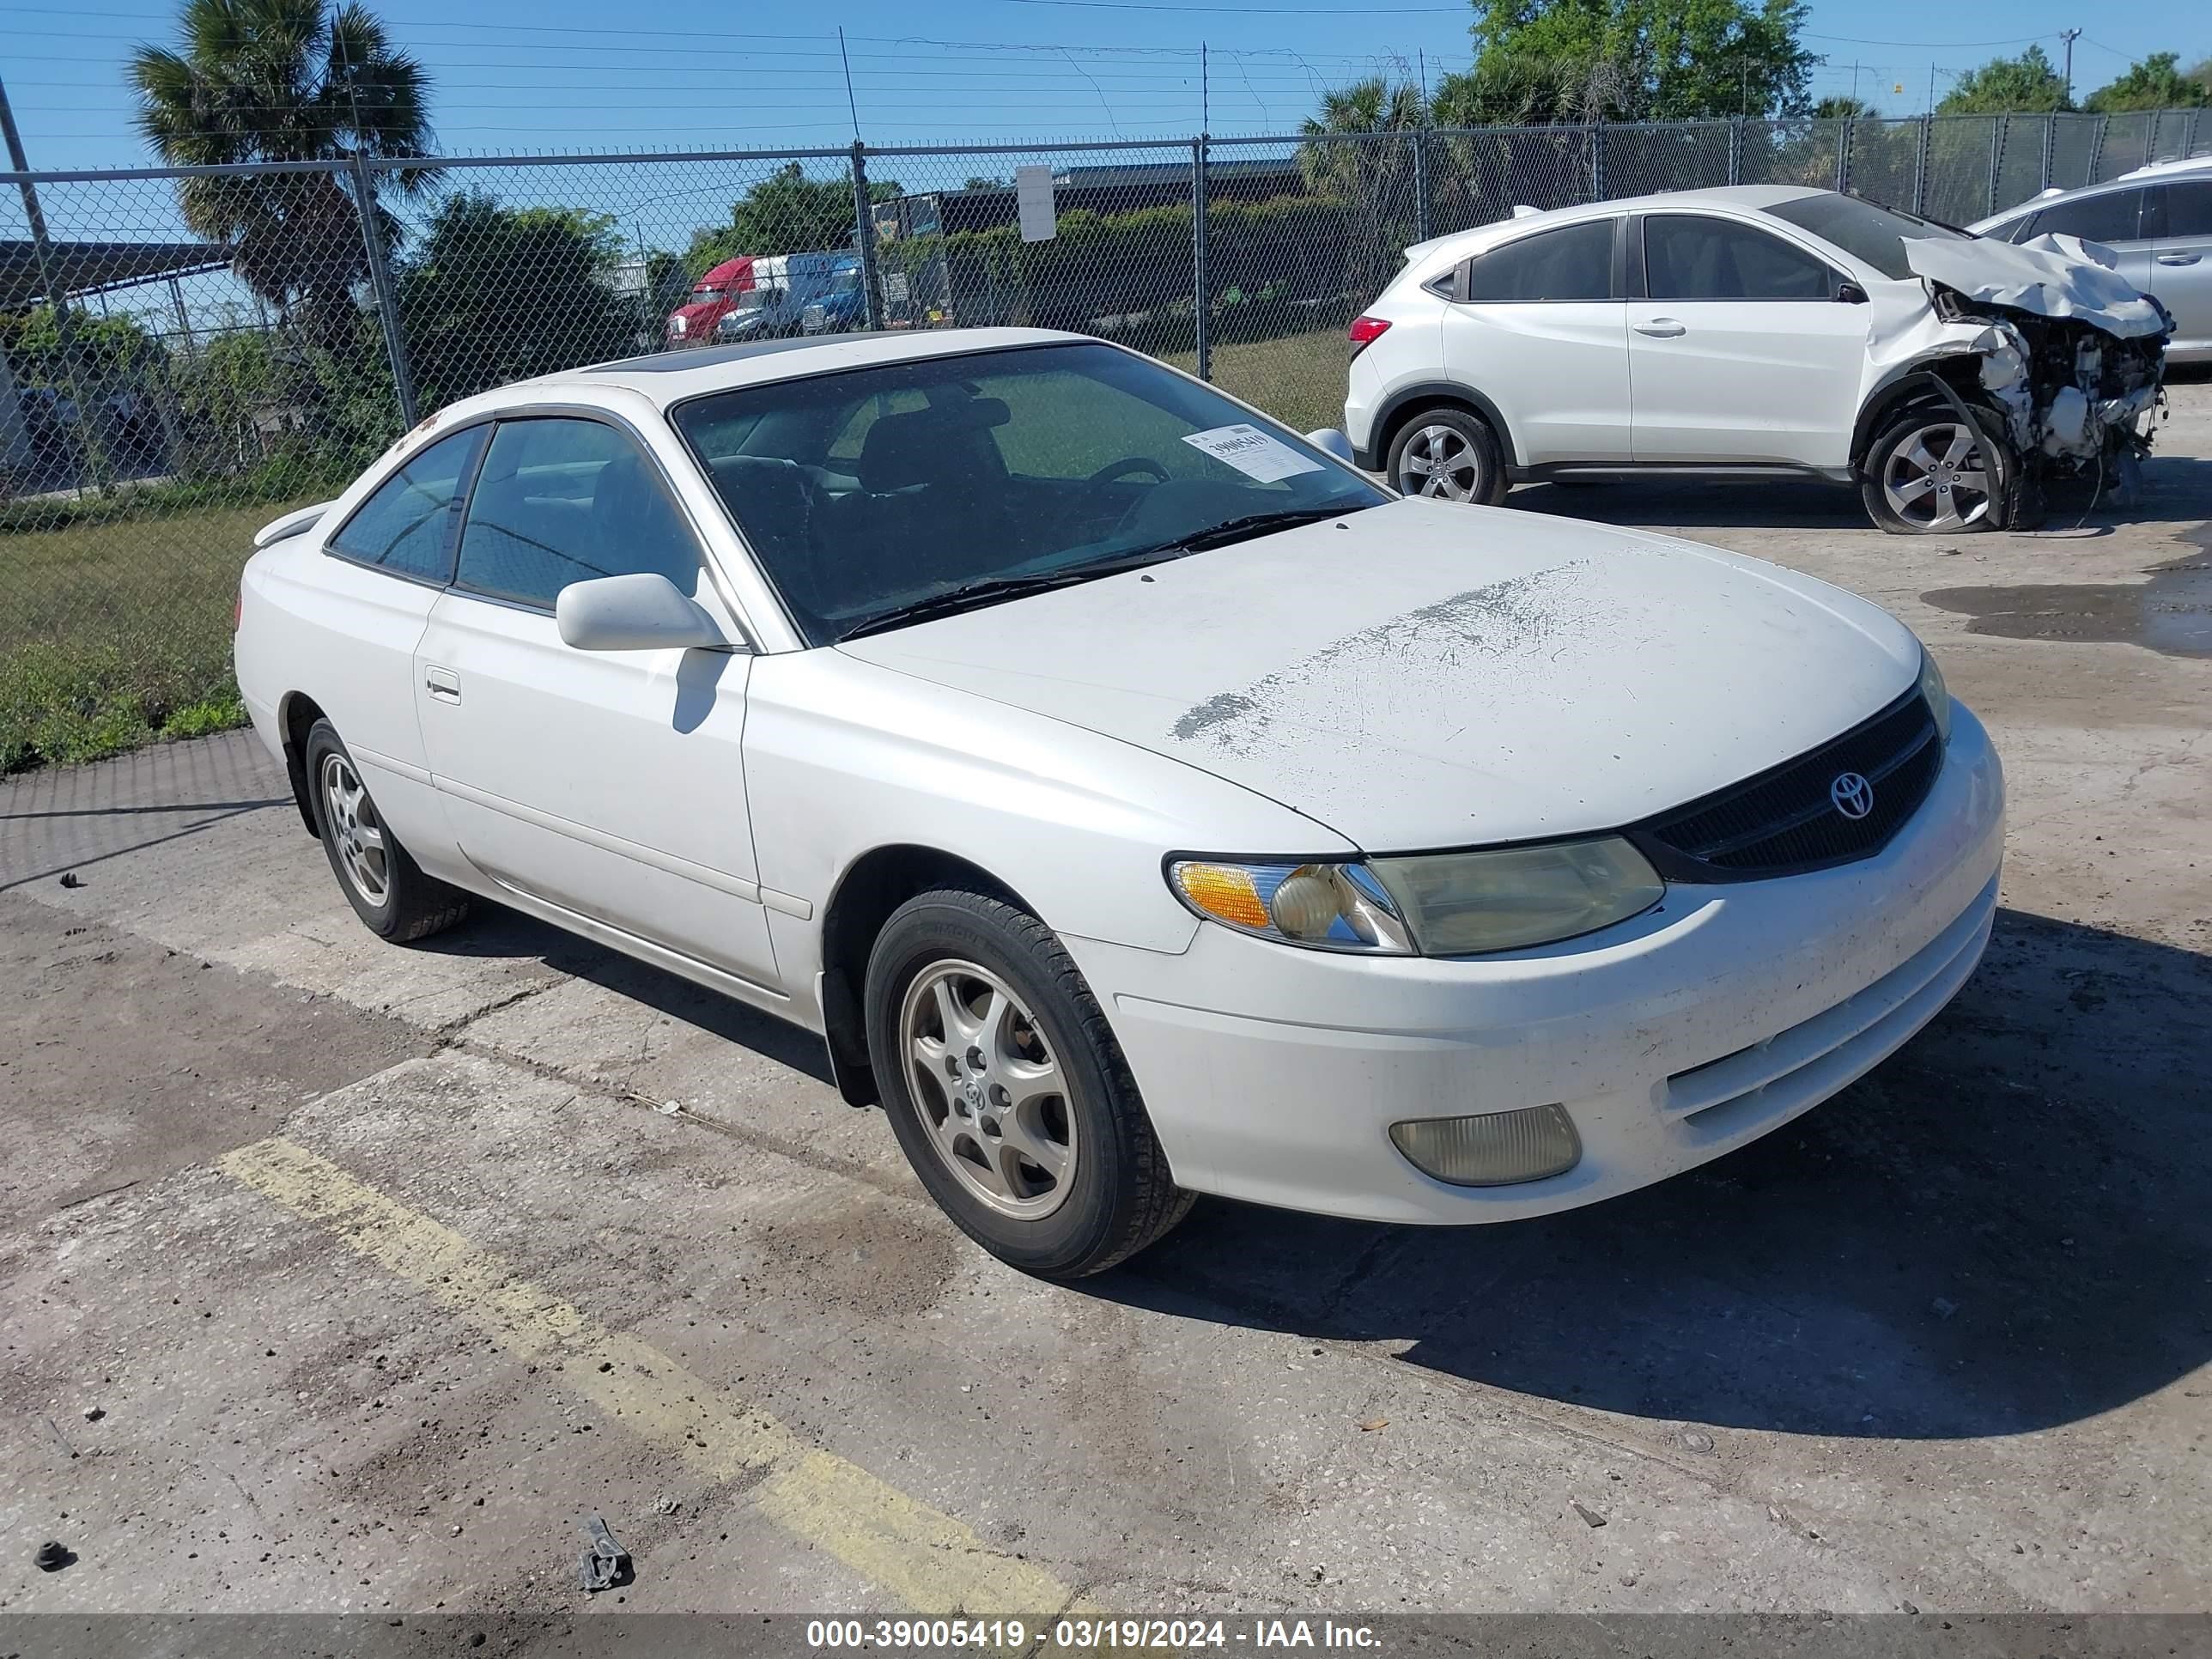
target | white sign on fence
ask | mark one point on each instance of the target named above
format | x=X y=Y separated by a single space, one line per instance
x=1033 y=193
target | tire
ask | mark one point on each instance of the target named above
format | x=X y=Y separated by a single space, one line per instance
x=1448 y=454
x=387 y=890
x=1926 y=474
x=969 y=1140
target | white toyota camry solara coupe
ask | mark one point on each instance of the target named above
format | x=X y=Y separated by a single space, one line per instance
x=1137 y=801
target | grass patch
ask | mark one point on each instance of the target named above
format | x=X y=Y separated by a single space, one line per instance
x=1298 y=378
x=115 y=630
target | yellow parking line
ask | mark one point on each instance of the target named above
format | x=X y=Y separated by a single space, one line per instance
x=930 y=1561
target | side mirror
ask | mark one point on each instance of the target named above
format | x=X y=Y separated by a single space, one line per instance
x=641 y=612
x=1850 y=293
x=1328 y=439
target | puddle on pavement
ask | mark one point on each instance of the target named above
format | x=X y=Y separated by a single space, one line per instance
x=2171 y=613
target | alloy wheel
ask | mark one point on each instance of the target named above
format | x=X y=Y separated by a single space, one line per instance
x=356 y=830
x=988 y=1089
x=1439 y=461
x=1935 y=479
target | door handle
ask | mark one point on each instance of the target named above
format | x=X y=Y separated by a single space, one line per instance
x=1662 y=328
x=2179 y=258
x=442 y=683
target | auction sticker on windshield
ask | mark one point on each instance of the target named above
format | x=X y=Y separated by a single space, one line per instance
x=1252 y=451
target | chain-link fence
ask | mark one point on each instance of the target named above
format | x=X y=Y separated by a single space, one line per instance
x=190 y=352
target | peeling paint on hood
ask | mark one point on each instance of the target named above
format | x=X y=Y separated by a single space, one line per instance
x=1426 y=675
x=2049 y=275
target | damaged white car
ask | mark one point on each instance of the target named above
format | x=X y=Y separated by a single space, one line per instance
x=1754 y=330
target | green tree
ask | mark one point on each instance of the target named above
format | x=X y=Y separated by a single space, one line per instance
x=1845 y=109
x=496 y=294
x=1372 y=175
x=785 y=212
x=283 y=81
x=2156 y=83
x=1550 y=60
x=2026 y=85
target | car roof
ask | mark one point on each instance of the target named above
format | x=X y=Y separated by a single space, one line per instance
x=2166 y=169
x=664 y=378
x=1741 y=198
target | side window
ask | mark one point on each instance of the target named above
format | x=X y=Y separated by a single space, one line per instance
x=2181 y=212
x=1689 y=257
x=562 y=501
x=406 y=526
x=1572 y=263
x=2114 y=216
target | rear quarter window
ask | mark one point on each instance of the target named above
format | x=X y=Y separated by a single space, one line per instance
x=407 y=526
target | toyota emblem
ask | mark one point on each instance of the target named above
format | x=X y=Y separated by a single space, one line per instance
x=1852 y=794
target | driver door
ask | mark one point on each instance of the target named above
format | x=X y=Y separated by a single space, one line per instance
x=1739 y=351
x=607 y=784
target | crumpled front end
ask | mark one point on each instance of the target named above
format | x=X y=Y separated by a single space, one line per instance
x=2069 y=355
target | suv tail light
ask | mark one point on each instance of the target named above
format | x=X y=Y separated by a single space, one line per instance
x=1366 y=331
x=238 y=609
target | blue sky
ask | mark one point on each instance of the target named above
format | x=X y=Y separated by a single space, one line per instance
x=566 y=75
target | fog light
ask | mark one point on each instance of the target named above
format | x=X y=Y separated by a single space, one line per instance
x=1494 y=1150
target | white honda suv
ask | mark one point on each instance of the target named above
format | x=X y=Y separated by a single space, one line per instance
x=1758 y=329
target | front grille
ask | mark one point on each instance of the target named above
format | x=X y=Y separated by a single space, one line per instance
x=1786 y=821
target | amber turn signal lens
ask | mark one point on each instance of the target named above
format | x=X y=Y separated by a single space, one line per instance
x=1223 y=891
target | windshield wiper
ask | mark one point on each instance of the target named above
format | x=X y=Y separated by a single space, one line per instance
x=1250 y=524
x=989 y=590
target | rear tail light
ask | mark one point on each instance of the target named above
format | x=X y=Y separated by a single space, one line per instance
x=1366 y=331
x=238 y=609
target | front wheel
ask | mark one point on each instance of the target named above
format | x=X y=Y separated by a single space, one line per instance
x=1927 y=474
x=1007 y=1091
x=1450 y=455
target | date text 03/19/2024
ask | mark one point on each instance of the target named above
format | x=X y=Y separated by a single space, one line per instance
x=1086 y=1635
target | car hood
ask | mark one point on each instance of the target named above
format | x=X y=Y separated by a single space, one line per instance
x=2050 y=276
x=1426 y=675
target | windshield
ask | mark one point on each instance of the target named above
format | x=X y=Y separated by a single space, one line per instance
x=866 y=492
x=754 y=298
x=1874 y=235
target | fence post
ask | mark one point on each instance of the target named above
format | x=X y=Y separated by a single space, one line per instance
x=1920 y=166
x=380 y=284
x=1736 y=149
x=1843 y=154
x=1597 y=160
x=2150 y=138
x=1421 y=182
x=2097 y=152
x=1201 y=282
x=864 y=239
x=1997 y=158
x=2050 y=148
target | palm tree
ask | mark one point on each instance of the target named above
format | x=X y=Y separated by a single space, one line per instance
x=284 y=81
x=1359 y=151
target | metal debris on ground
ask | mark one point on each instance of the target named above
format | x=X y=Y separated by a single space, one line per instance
x=53 y=1555
x=606 y=1563
x=1587 y=1513
x=71 y=878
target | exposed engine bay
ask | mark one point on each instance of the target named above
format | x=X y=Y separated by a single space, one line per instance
x=2071 y=360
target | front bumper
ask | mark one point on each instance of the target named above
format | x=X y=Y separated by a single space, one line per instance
x=1273 y=1073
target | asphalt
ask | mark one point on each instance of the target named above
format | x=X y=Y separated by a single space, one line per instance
x=336 y=1276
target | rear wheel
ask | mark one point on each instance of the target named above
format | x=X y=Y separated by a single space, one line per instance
x=385 y=887
x=1927 y=474
x=1007 y=1090
x=1450 y=455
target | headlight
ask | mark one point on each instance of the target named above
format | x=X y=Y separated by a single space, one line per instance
x=1938 y=694
x=1333 y=907
x=1459 y=904
x=1443 y=904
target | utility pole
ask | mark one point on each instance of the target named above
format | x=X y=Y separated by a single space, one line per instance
x=2070 y=36
x=1205 y=92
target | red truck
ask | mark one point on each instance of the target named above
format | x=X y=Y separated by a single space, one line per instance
x=714 y=296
